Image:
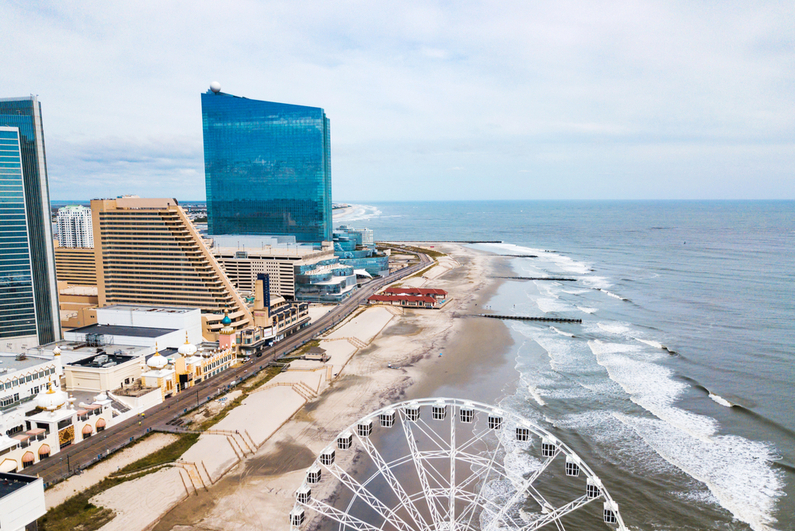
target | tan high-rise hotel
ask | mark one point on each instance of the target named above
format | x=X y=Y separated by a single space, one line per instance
x=148 y=252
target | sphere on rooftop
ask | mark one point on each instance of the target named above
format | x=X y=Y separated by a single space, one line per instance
x=51 y=399
x=187 y=349
x=157 y=362
x=215 y=87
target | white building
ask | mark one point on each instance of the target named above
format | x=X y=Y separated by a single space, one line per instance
x=22 y=378
x=74 y=227
x=183 y=319
x=57 y=424
x=21 y=501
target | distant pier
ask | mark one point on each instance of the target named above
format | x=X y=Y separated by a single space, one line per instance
x=529 y=318
x=519 y=255
x=558 y=279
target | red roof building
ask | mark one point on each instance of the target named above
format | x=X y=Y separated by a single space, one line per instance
x=438 y=294
x=408 y=301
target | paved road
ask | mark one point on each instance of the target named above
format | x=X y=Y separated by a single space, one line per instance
x=83 y=453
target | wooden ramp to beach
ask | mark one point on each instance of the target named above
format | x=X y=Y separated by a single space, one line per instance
x=529 y=318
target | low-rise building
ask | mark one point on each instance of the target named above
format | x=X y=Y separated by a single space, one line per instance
x=103 y=372
x=296 y=271
x=21 y=501
x=22 y=378
x=78 y=305
x=57 y=425
x=274 y=319
x=410 y=297
x=439 y=295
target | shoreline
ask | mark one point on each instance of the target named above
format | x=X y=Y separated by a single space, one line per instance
x=264 y=482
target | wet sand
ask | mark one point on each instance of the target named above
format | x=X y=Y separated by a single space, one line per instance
x=259 y=493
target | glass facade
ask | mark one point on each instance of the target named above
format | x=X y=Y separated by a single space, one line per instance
x=267 y=168
x=17 y=311
x=22 y=118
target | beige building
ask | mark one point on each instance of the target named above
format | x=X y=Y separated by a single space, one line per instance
x=148 y=252
x=103 y=372
x=243 y=264
x=78 y=305
x=75 y=265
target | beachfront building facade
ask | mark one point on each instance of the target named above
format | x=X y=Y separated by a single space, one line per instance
x=356 y=248
x=411 y=297
x=57 y=424
x=74 y=227
x=295 y=272
x=267 y=168
x=274 y=319
x=28 y=291
x=149 y=253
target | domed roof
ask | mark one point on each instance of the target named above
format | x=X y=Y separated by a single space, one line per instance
x=226 y=321
x=157 y=362
x=56 y=351
x=51 y=399
x=187 y=349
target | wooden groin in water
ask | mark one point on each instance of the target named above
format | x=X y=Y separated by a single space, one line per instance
x=528 y=318
x=558 y=279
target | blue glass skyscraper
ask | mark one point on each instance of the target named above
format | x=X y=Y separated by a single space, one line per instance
x=28 y=290
x=267 y=168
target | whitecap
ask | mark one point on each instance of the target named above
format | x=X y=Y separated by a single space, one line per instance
x=737 y=471
x=615 y=328
x=651 y=343
x=533 y=390
x=586 y=310
x=651 y=386
x=720 y=400
x=561 y=332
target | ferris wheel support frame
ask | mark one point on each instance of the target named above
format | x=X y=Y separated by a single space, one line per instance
x=441 y=500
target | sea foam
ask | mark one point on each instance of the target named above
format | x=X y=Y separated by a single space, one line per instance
x=738 y=472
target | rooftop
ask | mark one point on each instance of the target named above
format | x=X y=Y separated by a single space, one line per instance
x=102 y=360
x=148 y=309
x=12 y=482
x=79 y=290
x=12 y=363
x=123 y=330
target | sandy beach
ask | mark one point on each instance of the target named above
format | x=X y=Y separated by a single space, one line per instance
x=309 y=404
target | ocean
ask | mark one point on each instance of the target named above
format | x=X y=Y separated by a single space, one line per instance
x=678 y=387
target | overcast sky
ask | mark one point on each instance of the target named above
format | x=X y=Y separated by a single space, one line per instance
x=427 y=100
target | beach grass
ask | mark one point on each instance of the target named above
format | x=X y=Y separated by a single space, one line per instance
x=78 y=513
x=167 y=454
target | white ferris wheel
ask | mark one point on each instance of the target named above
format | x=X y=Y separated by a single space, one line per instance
x=445 y=464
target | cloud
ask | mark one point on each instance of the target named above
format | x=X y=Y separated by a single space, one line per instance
x=619 y=99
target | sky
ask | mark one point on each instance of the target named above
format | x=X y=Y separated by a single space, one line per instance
x=427 y=100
